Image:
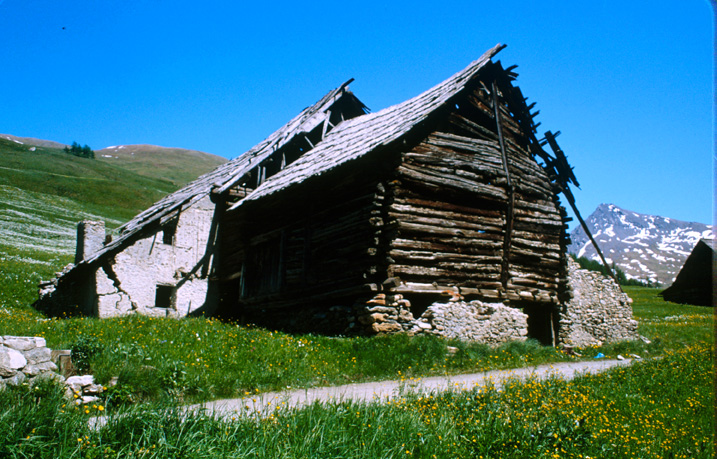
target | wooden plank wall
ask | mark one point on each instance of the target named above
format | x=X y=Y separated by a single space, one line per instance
x=450 y=203
x=434 y=215
x=329 y=238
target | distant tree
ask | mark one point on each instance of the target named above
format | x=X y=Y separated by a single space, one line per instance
x=82 y=152
x=87 y=152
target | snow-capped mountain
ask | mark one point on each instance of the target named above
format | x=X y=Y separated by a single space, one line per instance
x=645 y=247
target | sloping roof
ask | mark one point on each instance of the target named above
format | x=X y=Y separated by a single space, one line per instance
x=694 y=283
x=361 y=135
x=226 y=175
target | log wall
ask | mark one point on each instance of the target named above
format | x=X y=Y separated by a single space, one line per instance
x=321 y=248
x=463 y=208
x=463 y=222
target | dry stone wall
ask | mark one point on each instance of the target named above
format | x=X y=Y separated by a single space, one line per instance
x=24 y=358
x=489 y=323
x=384 y=314
x=599 y=311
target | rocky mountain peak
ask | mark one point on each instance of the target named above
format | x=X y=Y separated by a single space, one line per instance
x=646 y=247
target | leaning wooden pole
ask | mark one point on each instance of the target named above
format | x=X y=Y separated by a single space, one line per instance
x=562 y=169
x=571 y=199
x=510 y=211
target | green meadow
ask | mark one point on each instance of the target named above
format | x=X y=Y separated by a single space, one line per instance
x=661 y=406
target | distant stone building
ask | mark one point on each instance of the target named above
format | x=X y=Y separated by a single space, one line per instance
x=347 y=222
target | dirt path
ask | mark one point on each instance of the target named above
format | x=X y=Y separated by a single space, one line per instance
x=267 y=403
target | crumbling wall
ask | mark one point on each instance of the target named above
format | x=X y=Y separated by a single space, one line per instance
x=599 y=311
x=128 y=283
x=23 y=358
x=488 y=323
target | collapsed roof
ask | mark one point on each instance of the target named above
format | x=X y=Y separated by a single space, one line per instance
x=318 y=119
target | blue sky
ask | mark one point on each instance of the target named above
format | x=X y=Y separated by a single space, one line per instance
x=629 y=86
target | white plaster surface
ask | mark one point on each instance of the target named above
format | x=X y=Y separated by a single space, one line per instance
x=131 y=285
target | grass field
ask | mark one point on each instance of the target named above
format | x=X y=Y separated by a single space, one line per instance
x=197 y=359
x=659 y=407
x=654 y=409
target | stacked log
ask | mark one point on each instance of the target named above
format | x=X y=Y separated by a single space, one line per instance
x=451 y=203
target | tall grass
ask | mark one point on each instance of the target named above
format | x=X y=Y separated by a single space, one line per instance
x=654 y=409
x=198 y=359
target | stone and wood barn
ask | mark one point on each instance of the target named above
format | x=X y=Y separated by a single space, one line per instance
x=163 y=259
x=344 y=221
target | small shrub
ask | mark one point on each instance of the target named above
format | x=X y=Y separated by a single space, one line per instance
x=118 y=395
x=84 y=350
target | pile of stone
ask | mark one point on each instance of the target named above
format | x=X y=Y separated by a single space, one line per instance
x=82 y=389
x=489 y=323
x=385 y=314
x=598 y=312
x=24 y=358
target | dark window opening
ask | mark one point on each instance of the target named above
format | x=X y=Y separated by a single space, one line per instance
x=420 y=303
x=169 y=231
x=164 y=296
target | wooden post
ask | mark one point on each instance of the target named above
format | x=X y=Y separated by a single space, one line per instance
x=505 y=265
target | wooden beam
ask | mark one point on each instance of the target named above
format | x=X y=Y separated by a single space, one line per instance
x=504 y=274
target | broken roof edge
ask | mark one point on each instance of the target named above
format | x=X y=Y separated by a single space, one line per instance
x=427 y=102
x=223 y=177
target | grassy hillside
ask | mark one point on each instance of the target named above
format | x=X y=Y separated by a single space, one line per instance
x=95 y=185
x=31 y=141
x=44 y=192
x=177 y=165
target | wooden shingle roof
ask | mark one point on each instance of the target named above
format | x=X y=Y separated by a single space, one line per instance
x=359 y=136
x=226 y=175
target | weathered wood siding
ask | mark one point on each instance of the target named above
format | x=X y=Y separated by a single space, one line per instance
x=457 y=204
x=312 y=246
x=460 y=224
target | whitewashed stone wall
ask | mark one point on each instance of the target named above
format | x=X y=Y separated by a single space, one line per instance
x=129 y=284
x=599 y=311
x=23 y=358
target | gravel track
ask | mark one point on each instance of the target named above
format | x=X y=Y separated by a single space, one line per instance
x=267 y=403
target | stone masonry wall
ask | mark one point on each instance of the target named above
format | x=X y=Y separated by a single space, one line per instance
x=23 y=358
x=599 y=311
x=489 y=323
x=129 y=283
x=26 y=358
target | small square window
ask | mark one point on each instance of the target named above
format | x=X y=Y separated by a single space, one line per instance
x=164 y=296
x=169 y=231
